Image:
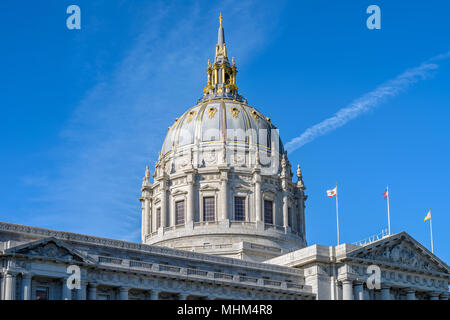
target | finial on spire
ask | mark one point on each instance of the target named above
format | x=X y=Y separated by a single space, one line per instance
x=300 y=183
x=220 y=19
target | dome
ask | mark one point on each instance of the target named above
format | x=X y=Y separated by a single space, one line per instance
x=222 y=121
x=223 y=183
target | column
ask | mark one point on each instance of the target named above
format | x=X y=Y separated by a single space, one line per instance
x=163 y=203
x=359 y=292
x=81 y=293
x=410 y=294
x=347 y=289
x=224 y=201
x=154 y=295
x=285 y=210
x=182 y=296
x=10 y=286
x=385 y=292
x=258 y=202
x=123 y=293
x=190 y=201
x=92 y=291
x=434 y=296
x=66 y=292
x=26 y=286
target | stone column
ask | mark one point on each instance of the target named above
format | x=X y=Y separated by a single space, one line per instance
x=410 y=294
x=81 y=293
x=123 y=293
x=10 y=286
x=347 y=289
x=163 y=203
x=359 y=292
x=434 y=295
x=154 y=295
x=182 y=296
x=258 y=201
x=190 y=200
x=385 y=292
x=224 y=196
x=285 y=210
x=26 y=286
x=66 y=292
x=92 y=291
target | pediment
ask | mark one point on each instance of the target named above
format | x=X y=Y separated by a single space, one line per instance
x=49 y=248
x=400 y=250
x=208 y=187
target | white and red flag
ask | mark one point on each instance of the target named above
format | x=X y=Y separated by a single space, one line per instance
x=332 y=193
x=386 y=194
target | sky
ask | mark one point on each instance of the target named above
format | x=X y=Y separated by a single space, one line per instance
x=84 y=111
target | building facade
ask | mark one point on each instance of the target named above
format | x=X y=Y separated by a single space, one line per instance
x=222 y=218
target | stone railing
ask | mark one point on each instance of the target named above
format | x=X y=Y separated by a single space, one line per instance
x=109 y=260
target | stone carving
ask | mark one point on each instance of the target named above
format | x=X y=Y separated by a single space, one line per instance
x=402 y=254
x=50 y=250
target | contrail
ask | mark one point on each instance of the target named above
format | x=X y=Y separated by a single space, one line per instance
x=367 y=102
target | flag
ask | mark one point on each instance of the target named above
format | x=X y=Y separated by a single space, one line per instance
x=331 y=193
x=385 y=194
x=428 y=216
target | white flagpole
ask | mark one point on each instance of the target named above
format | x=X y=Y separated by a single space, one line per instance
x=337 y=215
x=431 y=232
x=389 y=216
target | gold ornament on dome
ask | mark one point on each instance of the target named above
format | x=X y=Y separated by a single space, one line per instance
x=255 y=115
x=234 y=111
x=191 y=116
x=211 y=112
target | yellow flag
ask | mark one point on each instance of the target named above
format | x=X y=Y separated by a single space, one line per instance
x=428 y=216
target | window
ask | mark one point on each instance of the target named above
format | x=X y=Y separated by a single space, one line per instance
x=239 y=208
x=289 y=217
x=268 y=211
x=41 y=293
x=179 y=212
x=158 y=218
x=208 y=209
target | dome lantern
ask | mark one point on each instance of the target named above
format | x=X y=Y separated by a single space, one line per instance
x=221 y=76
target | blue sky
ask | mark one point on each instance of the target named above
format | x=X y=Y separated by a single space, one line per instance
x=85 y=110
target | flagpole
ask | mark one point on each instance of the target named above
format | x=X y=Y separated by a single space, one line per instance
x=431 y=232
x=389 y=216
x=337 y=215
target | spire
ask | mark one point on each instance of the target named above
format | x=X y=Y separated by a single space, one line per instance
x=221 y=35
x=221 y=81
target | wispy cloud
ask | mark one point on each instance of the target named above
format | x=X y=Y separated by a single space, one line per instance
x=119 y=125
x=368 y=101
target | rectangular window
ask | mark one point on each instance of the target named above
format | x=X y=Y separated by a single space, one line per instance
x=41 y=293
x=239 y=208
x=179 y=212
x=268 y=211
x=158 y=218
x=289 y=217
x=209 y=209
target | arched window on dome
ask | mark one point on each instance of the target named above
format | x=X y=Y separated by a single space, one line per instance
x=209 y=209
x=179 y=212
x=239 y=208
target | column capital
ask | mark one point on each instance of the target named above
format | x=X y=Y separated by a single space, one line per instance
x=346 y=281
x=27 y=275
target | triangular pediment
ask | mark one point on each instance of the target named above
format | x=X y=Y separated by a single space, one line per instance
x=400 y=250
x=49 y=248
